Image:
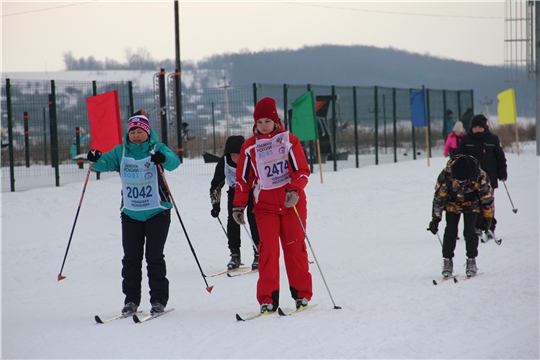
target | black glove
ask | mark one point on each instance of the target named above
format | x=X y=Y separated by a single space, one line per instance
x=215 y=210
x=157 y=158
x=93 y=155
x=486 y=224
x=434 y=225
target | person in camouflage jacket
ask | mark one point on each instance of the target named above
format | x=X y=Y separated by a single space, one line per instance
x=462 y=187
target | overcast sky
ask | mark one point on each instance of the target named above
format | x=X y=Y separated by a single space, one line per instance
x=35 y=35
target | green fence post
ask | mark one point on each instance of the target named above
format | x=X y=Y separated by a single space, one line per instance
x=54 y=133
x=376 y=120
x=285 y=112
x=26 y=139
x=355 y=119
x=428 y=145
x=45 y=160
x=255 y=94
x=311 y=145
x=214 y=126
x=94 y=93
x=163 y=106
x=130 y=94
x=10 y=134
x=334 y=126
x=394 y=122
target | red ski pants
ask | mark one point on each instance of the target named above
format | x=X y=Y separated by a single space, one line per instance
x=283 y=227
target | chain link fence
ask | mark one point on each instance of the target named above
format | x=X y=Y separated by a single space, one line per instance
x=45 y=127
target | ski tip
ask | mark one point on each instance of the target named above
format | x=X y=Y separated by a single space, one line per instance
x=281 y=312
x=434 y=282
x=136 y=319
x=229 y=275
x=61 y=277
x=238 y=318
x=455 y=280
x=210 y=288
x=98 y=319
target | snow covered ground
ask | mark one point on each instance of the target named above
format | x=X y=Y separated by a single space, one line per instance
x=367 y=227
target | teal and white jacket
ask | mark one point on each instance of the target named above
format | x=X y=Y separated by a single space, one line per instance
x=111 y=161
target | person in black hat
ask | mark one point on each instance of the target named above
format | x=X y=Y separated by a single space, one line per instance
x=485 y=146
x=225 y=172
x=462 y=188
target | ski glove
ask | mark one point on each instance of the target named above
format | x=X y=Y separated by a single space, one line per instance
x=215 y=196
x=93 y=155
x=486 y=224
x=291 y=199
x=215 y=210
x=434 y=225
x=157 y=158
x=238 y=215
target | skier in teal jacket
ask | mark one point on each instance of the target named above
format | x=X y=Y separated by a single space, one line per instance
x=145 y=209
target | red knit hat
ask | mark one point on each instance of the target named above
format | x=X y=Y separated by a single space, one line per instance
x=266 y=108
x=139 y=121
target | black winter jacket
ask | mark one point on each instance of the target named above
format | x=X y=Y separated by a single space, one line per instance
x=486 y=148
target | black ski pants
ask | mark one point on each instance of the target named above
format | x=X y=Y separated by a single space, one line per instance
x=233 y=229
x=451 y=234
x=134 y=234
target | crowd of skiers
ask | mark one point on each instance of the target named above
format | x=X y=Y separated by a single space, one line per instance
x=266 y=176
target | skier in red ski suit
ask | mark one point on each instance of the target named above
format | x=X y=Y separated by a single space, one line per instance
x=273 y=163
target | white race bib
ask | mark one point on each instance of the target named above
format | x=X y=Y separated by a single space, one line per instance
x=273 y=161
x=140 y=188
x=230 y=175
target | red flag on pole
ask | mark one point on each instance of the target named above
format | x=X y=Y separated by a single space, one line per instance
x=104 y=115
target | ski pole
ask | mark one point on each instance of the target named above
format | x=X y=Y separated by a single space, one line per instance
x=513 y=208
x=315 y=257
x=208 y=288
x=60 y=276
x=251 y=238
x=220 y=223
x=225 y=231
x=439 y=239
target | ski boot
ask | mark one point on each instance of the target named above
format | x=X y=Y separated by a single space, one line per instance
x=157 y=308
x=448 y=267
x=303 y=302
x=235 y=261
x=471 y=268
x=130 y=308
x=255 y=264
x=267 y=308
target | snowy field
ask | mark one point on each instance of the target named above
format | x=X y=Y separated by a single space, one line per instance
x=367 y=227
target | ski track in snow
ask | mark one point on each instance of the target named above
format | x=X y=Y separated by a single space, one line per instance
x=367 y=227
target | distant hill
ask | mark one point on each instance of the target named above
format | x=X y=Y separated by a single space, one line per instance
x=369 y=66
x=317 y=65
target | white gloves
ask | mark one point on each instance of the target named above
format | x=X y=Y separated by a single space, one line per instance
x=238 y=215
x=291 y=199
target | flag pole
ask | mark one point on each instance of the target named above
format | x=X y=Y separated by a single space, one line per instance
x=517 y=138
x=427 y=146
x=319 y=157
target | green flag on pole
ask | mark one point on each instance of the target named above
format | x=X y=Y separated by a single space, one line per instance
x=304 y=120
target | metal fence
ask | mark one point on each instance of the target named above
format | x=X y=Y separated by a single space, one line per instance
x=45 y=125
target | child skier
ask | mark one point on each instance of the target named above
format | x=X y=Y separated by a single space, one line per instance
x=462 y=188
x=273 y=163
x=226 y=172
